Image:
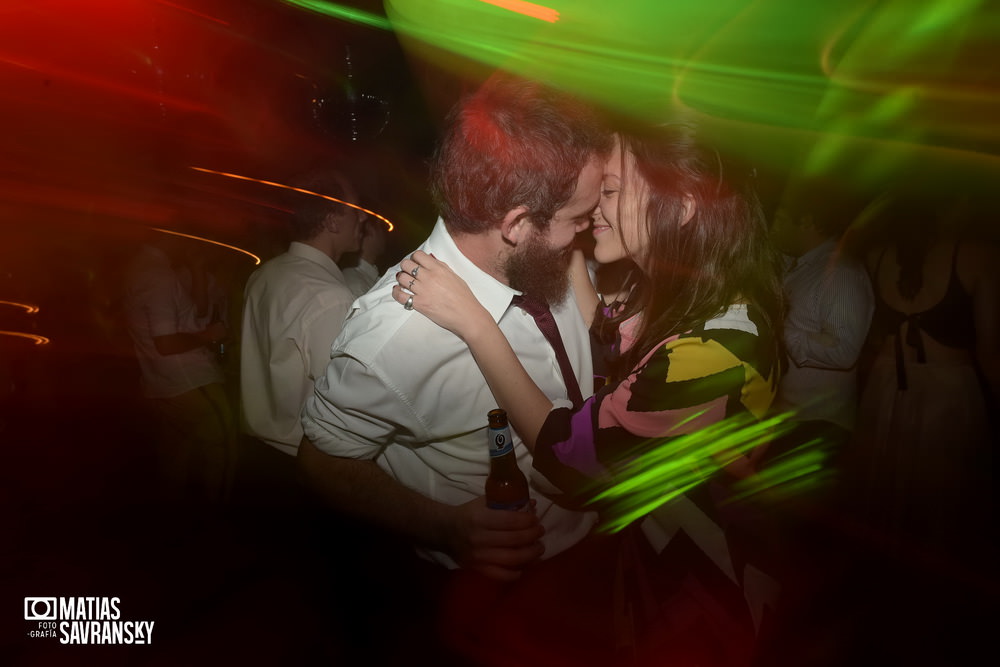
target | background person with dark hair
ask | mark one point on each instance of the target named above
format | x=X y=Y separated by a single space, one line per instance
x=829 y=310
x=364 y=272
x=294 y=307
x=169 y=320
x=927 y=433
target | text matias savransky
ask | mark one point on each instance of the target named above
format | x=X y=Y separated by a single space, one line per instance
x=85 y=620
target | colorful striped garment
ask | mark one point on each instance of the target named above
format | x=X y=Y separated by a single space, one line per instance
x=726 y=367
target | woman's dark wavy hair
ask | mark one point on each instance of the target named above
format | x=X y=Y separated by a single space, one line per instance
x=721 y=256
x=513 y=143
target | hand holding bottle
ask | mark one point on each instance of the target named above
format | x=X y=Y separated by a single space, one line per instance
x=496 y=543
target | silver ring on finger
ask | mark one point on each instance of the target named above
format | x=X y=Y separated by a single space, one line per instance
x=414 y=271
x=409 y=303
x=410 y=286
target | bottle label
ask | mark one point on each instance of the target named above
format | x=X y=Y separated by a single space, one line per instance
x=518 y=506
x=500 y=442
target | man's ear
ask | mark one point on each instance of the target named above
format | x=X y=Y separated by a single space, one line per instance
x=331 y=223
x=515 y=226
x=690 y=206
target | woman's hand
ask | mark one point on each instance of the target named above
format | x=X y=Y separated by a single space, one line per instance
x=447 y=301
x=437 y=292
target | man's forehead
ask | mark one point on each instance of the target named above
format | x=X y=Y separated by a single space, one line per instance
x=579 y=206
x=588 y=185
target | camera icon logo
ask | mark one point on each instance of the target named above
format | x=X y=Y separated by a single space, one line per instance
x=40 y=609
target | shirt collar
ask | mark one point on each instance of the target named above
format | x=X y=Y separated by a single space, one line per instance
x=306 y=251
x=490 y=292
x=824 y=249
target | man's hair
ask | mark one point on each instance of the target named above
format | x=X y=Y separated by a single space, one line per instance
x=830 y=205
x=309 y=210
x=512 y=143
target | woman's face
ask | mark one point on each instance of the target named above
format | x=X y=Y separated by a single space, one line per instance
x=618 y=232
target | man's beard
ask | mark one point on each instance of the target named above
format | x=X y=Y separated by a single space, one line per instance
x=540 y=271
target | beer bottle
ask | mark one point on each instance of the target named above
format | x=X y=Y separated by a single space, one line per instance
x=506 y=486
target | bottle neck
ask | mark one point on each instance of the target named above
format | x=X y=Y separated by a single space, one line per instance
x=502 y=462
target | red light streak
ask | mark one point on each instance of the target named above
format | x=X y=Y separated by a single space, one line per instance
x=39 y=340
x=527 y=8
x=307 y=192
x=191 y=11
x=28 y=308
x=103 y=84
x=256 y=259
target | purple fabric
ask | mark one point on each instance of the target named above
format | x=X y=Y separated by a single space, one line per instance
x=578 y=451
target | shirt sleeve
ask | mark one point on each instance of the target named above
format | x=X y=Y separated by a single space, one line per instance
x=348 y=413
x=362 y=277
x=318 y=333
x=155 y=294
x=683 y=386
x=845 y=304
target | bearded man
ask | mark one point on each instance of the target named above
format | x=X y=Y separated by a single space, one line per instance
x=395 y=432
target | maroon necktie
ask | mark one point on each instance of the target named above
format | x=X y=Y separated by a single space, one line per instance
x=547 y=325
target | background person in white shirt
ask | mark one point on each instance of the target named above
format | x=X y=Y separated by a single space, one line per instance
x=829 y=308
x=182 y=379
x=294 y=306
x=364 y=272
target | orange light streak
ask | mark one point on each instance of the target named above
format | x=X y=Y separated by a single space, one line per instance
x=39 y=340
x=256 y=259
x=307 y=192
x=28 y=308
x=527 y=8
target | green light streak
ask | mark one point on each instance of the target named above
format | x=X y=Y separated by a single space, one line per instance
x=868 y=86
x=664 y=472
x=352 y=14
x=938 y=16
x=894 y=106
x=802 y=470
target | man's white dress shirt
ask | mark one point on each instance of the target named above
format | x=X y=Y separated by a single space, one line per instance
x=294 y=306
x=830 y=306
x=361 y=277
x=408 y=394
x=158 y=304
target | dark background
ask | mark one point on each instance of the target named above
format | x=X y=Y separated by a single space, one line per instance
x=105 y=106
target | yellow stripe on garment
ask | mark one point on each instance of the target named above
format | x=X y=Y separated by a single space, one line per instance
x=758 y=392
x=692 y=358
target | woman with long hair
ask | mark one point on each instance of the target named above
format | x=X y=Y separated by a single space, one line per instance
x=697 y=345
